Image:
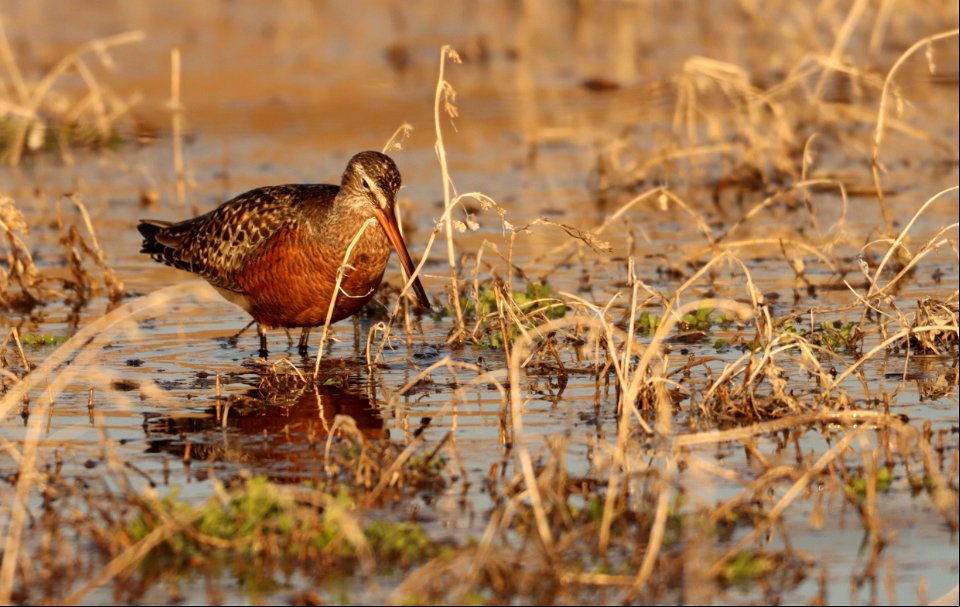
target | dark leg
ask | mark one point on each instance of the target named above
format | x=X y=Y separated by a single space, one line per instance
x=304 y=345
x=263 y=341
x=233 y=340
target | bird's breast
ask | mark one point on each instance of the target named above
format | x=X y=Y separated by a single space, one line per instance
x=292 y=278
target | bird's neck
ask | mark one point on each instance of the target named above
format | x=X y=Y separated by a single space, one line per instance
x=342 y=221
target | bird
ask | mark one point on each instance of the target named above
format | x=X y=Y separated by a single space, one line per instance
x=276 y=251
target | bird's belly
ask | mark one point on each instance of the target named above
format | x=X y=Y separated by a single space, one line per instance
x=307 y=303
x=285 y=289
x=238 y=299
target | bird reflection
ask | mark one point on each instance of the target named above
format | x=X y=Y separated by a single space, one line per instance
x=282 y=421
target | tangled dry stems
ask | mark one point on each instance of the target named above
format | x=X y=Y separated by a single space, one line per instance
x=35 y=114
x=626 y=528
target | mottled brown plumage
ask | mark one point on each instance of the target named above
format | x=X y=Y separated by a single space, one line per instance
x=276 y=251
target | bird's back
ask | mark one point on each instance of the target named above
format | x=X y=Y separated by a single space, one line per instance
x=218 y=244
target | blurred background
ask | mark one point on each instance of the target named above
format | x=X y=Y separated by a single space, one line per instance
x=300 y=85
x=565 y=108
x=574 y=111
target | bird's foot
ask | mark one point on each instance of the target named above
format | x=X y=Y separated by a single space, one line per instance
x=303 y=346
x=263 y=341
x=235 y=338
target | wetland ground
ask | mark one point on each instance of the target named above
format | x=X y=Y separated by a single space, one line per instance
x=694 y=335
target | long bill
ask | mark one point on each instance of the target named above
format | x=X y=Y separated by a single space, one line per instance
x=388 y=222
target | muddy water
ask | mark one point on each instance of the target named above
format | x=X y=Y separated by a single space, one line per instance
x=289 y=93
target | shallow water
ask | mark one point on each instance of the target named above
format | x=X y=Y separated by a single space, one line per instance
x=289 y=93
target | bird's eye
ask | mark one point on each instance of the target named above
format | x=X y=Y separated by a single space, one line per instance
x=367 y=186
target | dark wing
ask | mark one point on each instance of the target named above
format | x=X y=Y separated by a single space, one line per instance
x=216 y=245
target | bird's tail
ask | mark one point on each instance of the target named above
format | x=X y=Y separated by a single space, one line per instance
x=150 y=230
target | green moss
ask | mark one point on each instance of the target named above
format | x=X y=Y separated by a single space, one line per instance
x=595 y=509
x=858 y=484
x=261 y=525
x=746 y=567
x=56 y=134
x=836 y=336
x=406 y=542
x=698 y=320
x=536 y=304
x=40 y=340
x=647 y=323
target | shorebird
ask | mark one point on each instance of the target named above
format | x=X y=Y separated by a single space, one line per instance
x=276 y=251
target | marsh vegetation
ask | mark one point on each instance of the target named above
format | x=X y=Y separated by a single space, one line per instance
x=694 y=336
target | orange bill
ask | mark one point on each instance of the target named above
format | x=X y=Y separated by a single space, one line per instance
x=389 y=223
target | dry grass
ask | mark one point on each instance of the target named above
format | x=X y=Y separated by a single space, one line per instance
x=23 y=285
x=35 y=114
x=649 y=514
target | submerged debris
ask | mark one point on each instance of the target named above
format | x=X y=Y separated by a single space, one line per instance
x=933 y=328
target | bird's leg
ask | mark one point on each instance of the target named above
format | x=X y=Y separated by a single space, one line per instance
x=304 y=345
x=263 y=340
x=233 y=340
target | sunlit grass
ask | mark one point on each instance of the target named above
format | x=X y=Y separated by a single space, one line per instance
x=642 y=524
